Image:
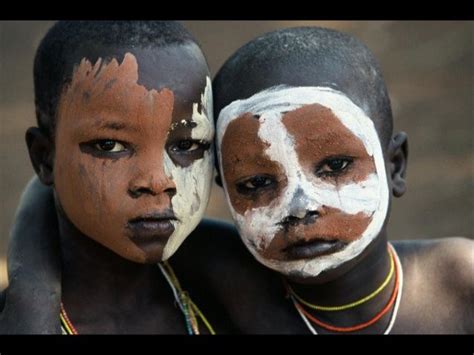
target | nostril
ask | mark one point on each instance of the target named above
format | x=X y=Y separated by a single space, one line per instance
x=171 y=191
x=310 y=217
x=293 y=221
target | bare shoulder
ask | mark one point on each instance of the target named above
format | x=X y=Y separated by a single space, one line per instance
x=213 y=238
x=453 y=255
x=215 y=247
x=442 y=270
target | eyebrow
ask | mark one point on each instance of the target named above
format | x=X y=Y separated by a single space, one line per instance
x=115 y=126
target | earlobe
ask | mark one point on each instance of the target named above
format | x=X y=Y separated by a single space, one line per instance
x=41 y=150
x=398 y=153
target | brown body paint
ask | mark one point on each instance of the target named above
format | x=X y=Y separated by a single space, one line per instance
x=318 y=133
x=104 y=101
x=244 y=154
x=332 y=224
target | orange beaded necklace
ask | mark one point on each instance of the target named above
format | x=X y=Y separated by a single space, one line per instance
x=394 y=299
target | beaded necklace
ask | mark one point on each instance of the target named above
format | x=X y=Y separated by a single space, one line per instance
x=394 y=298
x=189 y=309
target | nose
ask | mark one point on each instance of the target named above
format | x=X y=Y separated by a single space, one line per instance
x=298 y=210
x=151 y=180
x=298 y=204
x=309 y=217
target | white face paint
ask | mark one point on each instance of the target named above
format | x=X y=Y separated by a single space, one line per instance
x=304 y=190
x=193 y=183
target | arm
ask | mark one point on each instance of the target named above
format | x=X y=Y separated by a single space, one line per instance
x=33 y=296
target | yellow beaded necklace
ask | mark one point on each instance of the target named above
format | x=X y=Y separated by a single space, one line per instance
x=349 y=305
x=190 y=311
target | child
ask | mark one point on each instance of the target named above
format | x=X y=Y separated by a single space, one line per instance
x=309 y=163
x=290 y=220
x=125 y=134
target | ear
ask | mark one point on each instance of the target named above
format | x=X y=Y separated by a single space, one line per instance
x=398 y=155
x=41 y=150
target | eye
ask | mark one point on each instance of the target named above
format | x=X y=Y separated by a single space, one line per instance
x=107 y=145
x=254 y=184
x=333 y=166
x=187 y=145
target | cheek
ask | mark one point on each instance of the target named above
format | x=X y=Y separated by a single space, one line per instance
x=90 y=190
x=243 y=156
x=193 y=185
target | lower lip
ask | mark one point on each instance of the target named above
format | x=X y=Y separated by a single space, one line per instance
x=314 y=249
x=147 y=231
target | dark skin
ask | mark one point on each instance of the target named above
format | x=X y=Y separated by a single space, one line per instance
x=438 y=289
x=36 y=242
x=265 y=310
x=253 y=297
x=123 y=291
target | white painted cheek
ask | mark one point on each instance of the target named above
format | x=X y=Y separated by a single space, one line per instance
x=193 y=187
x=193 y=183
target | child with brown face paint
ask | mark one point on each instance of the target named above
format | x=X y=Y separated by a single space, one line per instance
x=309 y=164
x=125 y=140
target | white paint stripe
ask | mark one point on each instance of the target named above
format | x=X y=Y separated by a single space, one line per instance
x=204 y=130
x=193 y=183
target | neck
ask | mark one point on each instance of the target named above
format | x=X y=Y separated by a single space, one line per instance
x=95 y=277
x=352 y=282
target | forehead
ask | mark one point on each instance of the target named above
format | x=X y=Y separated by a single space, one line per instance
x=115 y=89
x=179 y=68
x=273 y=103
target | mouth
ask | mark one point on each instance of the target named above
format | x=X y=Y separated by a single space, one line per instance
x=151 y=227
x=313 y=248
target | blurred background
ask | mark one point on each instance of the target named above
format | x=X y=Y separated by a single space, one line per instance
x=428 y=67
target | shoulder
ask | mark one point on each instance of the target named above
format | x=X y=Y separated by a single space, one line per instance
x=453 y=254
x=442 y=270
x=215 y=239
x=218 y=253
x=447 y=257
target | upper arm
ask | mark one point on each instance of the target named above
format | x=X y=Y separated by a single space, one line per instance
x=33 y=295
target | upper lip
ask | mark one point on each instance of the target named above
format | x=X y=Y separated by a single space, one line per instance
x=154 y=216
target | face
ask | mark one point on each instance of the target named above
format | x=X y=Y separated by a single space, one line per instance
x=304 y=175
x=133 y=163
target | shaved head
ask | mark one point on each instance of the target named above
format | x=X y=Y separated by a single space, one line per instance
x=307 y=56
x=304 y=122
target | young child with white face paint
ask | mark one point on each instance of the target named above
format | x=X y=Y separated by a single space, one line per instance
x=128 y=151
x=308 y=164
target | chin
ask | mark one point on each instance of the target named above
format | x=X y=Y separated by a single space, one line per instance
x=153 y=257
x=145 y=257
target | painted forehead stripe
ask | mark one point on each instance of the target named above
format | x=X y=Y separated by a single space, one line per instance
x=280 y=99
